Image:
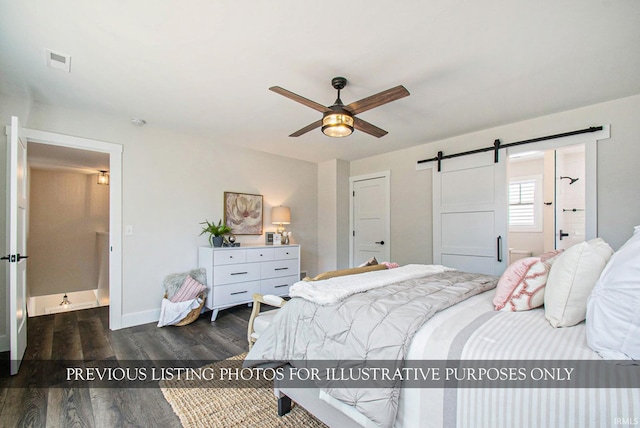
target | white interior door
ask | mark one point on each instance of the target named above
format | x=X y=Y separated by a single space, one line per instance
x=371 y=233
x=470 y=214
x=17 y=168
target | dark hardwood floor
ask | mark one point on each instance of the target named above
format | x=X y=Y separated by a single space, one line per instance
x=85 y=335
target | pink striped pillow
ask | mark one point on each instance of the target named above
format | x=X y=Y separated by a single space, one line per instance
x=521 y=286
x=189 y=290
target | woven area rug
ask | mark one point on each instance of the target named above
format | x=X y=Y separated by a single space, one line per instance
x=255 y=406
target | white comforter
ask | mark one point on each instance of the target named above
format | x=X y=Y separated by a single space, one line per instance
x=334 y=290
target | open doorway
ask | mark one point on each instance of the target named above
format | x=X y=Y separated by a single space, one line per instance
x=68 y=229
x=547 y=200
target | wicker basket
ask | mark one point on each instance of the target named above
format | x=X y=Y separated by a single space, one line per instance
x=194 y=313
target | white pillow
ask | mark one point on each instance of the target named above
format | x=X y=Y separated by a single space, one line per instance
x=613 y=310
x=571 y=279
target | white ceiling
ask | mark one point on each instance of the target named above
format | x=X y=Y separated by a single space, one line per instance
x=45 y=156
x=204 y=67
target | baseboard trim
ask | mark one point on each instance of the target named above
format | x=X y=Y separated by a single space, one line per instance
x=139 y=318
x=4 y=343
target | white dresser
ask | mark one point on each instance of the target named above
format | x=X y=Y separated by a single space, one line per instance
x=234 y=274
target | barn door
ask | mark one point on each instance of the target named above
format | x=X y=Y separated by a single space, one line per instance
x=470 y=214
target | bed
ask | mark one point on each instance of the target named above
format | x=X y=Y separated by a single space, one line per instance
x=459 y=326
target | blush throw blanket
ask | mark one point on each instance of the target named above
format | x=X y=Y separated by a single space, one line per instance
x=375 y=325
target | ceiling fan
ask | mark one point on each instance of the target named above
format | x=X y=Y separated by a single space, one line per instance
x=338 y=120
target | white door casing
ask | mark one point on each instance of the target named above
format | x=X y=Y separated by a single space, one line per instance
x=115 y=209
x=17 y=231
x=470 y=214
x=590 y=142
x=370 y=218
x=569 y=228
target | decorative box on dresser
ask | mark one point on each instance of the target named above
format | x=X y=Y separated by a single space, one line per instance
x=234 y=274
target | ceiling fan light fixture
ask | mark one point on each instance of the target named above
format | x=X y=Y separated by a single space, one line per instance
x=337 y=124
x=338 y=120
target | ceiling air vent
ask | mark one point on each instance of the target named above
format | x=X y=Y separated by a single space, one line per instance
x=58 y=60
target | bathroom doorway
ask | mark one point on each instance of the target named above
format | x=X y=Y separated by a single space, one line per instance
x=68 y=229
x=547 y=200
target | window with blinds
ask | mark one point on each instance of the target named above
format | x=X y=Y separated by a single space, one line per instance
x=525 y=204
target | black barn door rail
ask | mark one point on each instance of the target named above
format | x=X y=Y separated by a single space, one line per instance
x=497 y=146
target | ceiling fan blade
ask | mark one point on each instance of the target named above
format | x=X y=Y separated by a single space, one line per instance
x=311 y=127
x=368 y=128
x=302 y=100
x=378 y=99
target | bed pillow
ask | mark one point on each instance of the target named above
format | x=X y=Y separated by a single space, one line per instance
x=343 y=272
x=571 y=279
x=189 y=290
x=521 y=286
x=613 y=309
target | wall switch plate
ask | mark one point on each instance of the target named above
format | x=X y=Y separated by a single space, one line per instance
x=128 y=230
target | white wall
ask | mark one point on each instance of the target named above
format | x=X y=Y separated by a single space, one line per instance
x=171 y=183
x=618 y=174
x=411 y=234
x=333 y=216
x=342 y=214
x=66 y=210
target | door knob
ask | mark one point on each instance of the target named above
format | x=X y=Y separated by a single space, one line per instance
x=380 y=242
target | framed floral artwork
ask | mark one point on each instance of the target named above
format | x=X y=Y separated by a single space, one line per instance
x=243 y=213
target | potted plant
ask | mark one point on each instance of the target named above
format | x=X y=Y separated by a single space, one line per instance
x=215 y=231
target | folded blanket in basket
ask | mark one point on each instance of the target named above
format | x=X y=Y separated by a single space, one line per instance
x=172 y=313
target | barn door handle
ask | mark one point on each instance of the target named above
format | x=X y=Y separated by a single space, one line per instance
x=380 y=242
x=499 y=248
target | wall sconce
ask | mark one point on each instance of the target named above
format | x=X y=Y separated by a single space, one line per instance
x=280 y=216
x=103 y=177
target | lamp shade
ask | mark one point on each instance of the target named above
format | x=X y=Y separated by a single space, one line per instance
x=280 y=215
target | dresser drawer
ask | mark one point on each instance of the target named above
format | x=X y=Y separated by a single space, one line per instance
x=278 y=268
x=286 y=253
x=277 y=286
x=260 y=254
x=230 y=274
x=226 y=257
x=232 y=294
